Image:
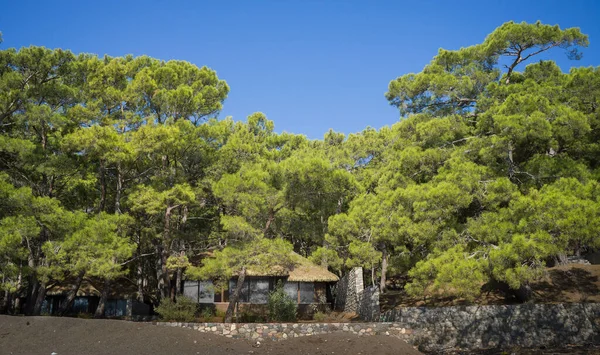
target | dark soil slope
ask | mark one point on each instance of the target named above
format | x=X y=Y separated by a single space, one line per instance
x=72 y=336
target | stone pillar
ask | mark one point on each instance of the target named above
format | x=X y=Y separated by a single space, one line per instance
x=349 y=291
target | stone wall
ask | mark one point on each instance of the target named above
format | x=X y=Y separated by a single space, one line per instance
x=281 y=331
x=443 y=329
x=368 y=304
x=485 y=327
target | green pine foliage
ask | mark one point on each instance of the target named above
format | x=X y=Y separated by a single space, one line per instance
x=117 y=167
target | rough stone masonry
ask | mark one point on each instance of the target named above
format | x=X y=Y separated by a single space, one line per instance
x=446 y=328
x=281 y=331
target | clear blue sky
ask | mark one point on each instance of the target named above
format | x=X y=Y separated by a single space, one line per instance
x=308 y=65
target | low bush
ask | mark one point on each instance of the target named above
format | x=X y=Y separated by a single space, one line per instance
x=207 y=313
x=220 y=313
x=281 y=306
x=319 y=316
x=251 y=317
x=183 y=310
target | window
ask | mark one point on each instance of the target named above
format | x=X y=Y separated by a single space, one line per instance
x=199 y=291
x=190 y=289
x=259 y=290
x=291 y=289
x=115 y=308
x=255 y=290
x=243 y=295
x=206 y=292
x=80 y=305
x=307 y=292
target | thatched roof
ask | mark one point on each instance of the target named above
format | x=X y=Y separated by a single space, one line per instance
x=303 y=271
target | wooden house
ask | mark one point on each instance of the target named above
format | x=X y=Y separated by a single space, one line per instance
x=307 y=283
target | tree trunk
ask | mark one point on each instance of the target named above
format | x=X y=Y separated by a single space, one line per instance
x=5 y=303
x=236 y=295
x=119 y=188
x=511 y=164
x=178 y=281
x=160 y=287
x=31 y=295
x=66 y=306
x=140 y=269
x=384 y=266
x=39 y=301
x=269 y=221
x=164 y=255
x=102 y=186
x=166 y=282
x=373 y=275
x=16 y=306
x=561 y=259
x=140 y=281
x=33 y=283
x=272 y=213
x=102 y=303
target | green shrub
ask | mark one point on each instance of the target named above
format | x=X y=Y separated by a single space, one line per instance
x=281 y=306
x=251 y=317
x=184 y=310
x=220 y=313
x=207 y=313
x=319 y=316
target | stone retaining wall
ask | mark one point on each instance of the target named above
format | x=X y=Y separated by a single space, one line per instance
x=368 y=304
x=487 y=327
x=439 y=330
x=281 y=331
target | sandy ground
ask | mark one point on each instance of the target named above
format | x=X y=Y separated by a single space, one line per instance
x=72 y=336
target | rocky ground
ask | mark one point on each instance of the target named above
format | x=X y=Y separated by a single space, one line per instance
x=64 y=336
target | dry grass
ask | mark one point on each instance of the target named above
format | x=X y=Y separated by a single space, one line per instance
x=303 y=271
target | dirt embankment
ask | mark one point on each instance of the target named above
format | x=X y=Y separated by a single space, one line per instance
x=72 y=336
x=572 y=283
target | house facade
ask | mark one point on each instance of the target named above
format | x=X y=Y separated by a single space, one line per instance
x=309 y=284
x=121 y=302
